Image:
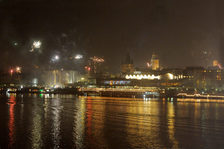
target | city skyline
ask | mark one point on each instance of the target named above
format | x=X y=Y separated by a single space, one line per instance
x=111 y=74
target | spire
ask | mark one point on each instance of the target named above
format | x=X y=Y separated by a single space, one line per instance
x=128 y=59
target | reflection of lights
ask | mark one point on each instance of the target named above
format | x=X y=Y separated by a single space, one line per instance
x=171 y=126
x=36 y=125
x=78 y=56
x=199 y=100
x=89 y=117
x=37 y=44
x=11 y=124
x=79 y=126
x=56 y=123
x=140 y=77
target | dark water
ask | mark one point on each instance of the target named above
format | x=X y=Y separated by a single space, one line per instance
x=44 y=121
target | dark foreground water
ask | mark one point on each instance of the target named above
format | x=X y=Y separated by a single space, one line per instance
x=44 y=121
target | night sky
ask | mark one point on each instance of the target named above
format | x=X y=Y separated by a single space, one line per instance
x=181 y=32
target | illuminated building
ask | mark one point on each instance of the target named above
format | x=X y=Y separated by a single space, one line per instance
x=127 y=66
x=60 y=78
x=154 y=62
x=140 y=77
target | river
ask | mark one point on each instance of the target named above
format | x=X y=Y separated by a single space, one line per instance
x=67 y=121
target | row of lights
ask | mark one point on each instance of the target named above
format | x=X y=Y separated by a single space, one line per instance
x=140 y=77
x=152 y=77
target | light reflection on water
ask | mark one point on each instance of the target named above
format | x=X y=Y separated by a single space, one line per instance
x=79 y=124
x=66 y=121
x=36 y=126
x=11 y=124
